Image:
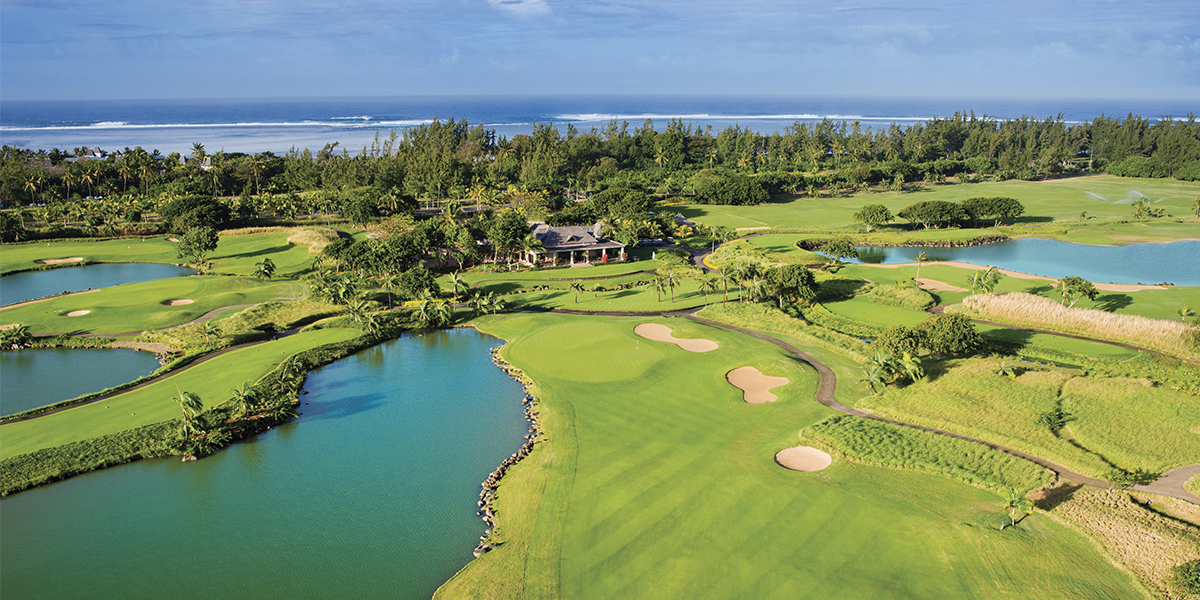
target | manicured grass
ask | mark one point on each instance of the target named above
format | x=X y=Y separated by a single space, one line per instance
x=138 y=307
x=1060 y=200
x=640 y=298
x=861 y=309
x=236 y=254
x=1133 y=423
x=212 y=381
x=659 y=482
x=1055 y=342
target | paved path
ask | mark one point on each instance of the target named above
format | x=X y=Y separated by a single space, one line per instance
x=1171 y=484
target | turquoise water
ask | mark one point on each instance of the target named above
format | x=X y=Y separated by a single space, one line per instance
x=370 y=493
x=33 y=378
x=31 y=285
x=1177 y=262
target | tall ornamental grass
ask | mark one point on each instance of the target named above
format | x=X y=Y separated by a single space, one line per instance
x=1019 y=308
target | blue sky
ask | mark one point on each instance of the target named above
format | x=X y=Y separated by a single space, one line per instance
x=78 y=49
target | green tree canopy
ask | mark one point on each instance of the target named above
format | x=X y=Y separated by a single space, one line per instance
x=873 y=215
x=196 y=243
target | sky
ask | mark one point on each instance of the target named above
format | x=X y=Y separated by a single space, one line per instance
x=81 y=49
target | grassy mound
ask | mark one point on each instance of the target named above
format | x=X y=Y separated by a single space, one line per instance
x=883 y=444
x=911 y=298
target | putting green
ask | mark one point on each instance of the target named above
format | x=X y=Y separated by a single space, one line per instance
x=212 y=380
x=659 y=481
x=137 y=307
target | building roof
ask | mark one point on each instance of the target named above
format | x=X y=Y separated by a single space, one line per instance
x=572 y=237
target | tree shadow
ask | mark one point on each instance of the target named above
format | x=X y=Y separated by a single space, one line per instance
x=499 y=288
x=346 y=407
x=1050 y=499
x=1023 y=220
x=264 y=251
x=1113 y=302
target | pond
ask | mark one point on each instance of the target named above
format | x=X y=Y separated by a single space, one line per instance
x=32 y=285
x=1176 y=262
x=370 y=493
x=33 y=378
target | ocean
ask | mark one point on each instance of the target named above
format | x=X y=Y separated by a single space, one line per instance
x=257 y=125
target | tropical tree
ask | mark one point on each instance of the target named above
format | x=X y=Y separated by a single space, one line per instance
x=577 y=286
x=210 y=329
x=1073 y=288
x=1016 y=503
x=921 y=258
x=17 y=336
x=707 y=286
x=873 y=215
x=660 y=286
x=389 y=283
x=357 y=307
x=1184 y=312
x=671 y=278
x=191 y=406
x=265 y=269
x=370 y=324
x=244 y=399
x=458 y=283
x=196 y=243
x=836 y=250
x=874 y=374
x=727 y=277
x=911 y=366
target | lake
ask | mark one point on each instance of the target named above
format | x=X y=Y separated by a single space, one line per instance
x=32 y=285
x=1176 y=262
x=37 y=377
x=370 y=493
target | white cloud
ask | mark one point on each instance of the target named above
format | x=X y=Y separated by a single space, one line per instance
x=521 y=8
x=450 y=59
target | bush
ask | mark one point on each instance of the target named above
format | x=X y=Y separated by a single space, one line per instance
x=950 y=334
x=736 y=190
x=891 y=295
x=1139 y=166
x=1189 y=171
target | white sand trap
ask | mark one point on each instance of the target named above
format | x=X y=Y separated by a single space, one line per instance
x=180 y=302
x=77 y=313
x=176 y=240
x=58 y=261
x=803 y=458
x=662 y=333
x=934 y=285
x=756 y=387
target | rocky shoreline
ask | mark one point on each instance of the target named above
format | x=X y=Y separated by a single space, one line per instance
x=488 y=494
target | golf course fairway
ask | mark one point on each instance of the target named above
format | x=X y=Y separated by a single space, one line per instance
x=658 y=481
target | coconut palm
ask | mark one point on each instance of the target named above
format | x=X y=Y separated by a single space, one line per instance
x=1184 y=312
x=357 y=307
x=210 y=329
x=727 y=277
x=370 y=324
x=244 y=399
x=671 y=278
x=530 y=244
x=191 y=406
x=921 y=258
x=15 y=336
x=660 y=286
x=1016 y=503
x=991 y=278
x=707 y=285
x=264 y=269
x=911 y=366
x=458 y=284
x=577 y=286
x=874 y=374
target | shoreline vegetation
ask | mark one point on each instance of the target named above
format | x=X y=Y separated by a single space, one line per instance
x=380 y=243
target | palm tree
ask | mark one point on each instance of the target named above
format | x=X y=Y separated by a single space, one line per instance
x=357 y=307
x=530 y=244
x=671 y=278
x=660 y=286
x=1184 y=312
x=873 y=374
x=577 y=286
x=727 y=277
x=264 y=269
x=1016 y=503
x=244 y=399
x=370 y=324
x=191 y=406
x=921 y=258
x=458 y=284
x=451 y=211
x=991 y=278
x=911 y=366
x=209 y=329
x=707 y=285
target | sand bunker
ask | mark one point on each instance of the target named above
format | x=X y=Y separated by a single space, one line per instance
x=934 y=285
x=756 y=387
x=176 y=240
x=76 y=313
x=179 y=302
x=9 y=326
x=803 y=458
x=58 y=261
x=662 y=333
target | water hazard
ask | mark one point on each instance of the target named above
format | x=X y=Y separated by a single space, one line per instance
x=31 y=285
x=33 y=378
x=371 y=493
x=1176 y=262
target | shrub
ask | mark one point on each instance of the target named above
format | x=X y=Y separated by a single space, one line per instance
x=950 y=334
x=1185 y=578
x=736 y=190
x=1139 y=166
x=891 y=295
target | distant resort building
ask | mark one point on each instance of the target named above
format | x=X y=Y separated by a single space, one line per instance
x=573 y=244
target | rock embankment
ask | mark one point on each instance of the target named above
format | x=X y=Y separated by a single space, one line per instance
x=492 y=483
